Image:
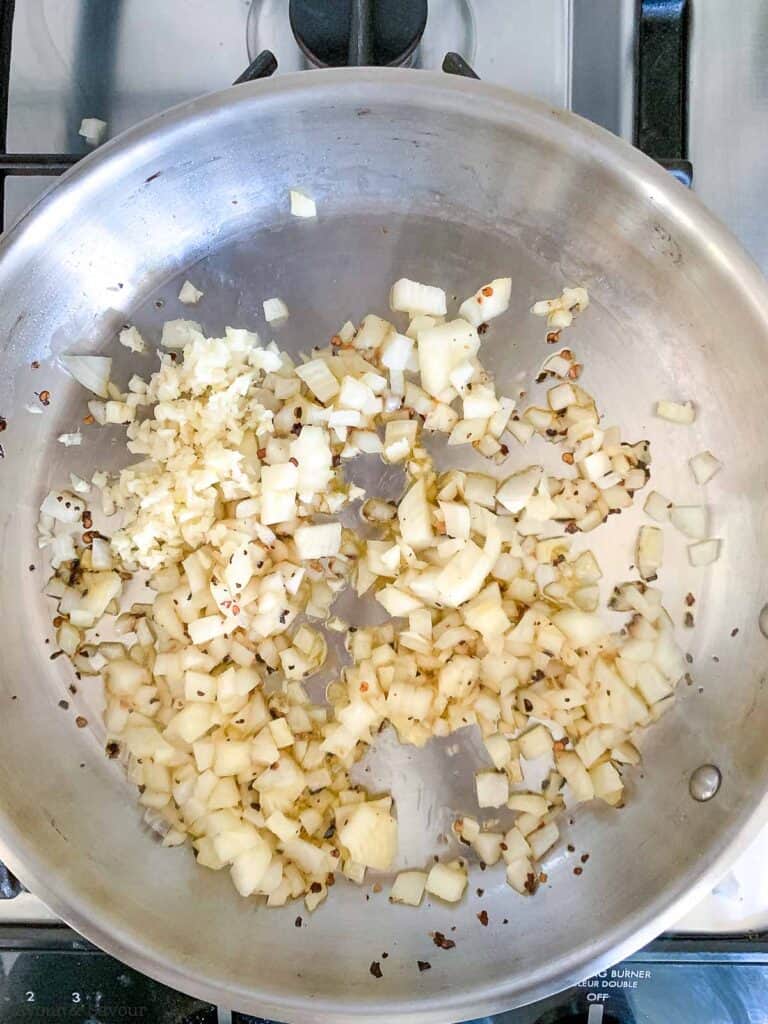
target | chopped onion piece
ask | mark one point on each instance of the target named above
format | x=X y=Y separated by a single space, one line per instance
x=492 y=789
x=130 y=338
x=704 y=552
x=657 y=507
x=417 y=299
x=302 y=205
x=704 y=466
x=692 y=520
x=370 y=835
x=90 y=371
x=441 y=349
x=675 y=412
x=275 y=310
x=180 y=333
x=488 y=302
x=70 y=440
x=189 y=295
x=92 y=130
x=321 y=541
x=517 y=490
x=649 y=552
x=447 y=881
x=408 y=888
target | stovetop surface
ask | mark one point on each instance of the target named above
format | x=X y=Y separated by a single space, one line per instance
x=124 y=60
x=53 y=974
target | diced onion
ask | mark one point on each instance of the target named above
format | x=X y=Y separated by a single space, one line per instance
x=657 y=507
x=232 y=516
x=90 y=371
x=692 y=520
x=302 y=205
x=189 y=295
x=704 y=552
x=704 y=466
x=676 y=412
x=275 y=310
x=130 y=338
x=92 y=130
x=414 y=298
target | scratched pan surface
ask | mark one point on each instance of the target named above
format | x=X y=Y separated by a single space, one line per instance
x=441 y=180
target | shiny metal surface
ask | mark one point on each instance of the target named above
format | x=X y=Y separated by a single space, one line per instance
x=705 y=782
x=495 y=182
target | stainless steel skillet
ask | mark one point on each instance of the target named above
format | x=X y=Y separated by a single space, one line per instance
x=438 y=179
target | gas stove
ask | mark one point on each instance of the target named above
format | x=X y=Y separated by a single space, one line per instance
x=685 y=80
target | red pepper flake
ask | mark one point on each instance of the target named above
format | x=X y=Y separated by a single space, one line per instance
x=734 y=631
x=584 y=858
x=487 y=291
x=363 y=687
x=553 y=337
x=531 y=883
x=578 y=871
x=64 y=705
x=35 y=364
x=480 y=892
x=88 y=420
x=316 y=887
x=375 y=969
x=336 y=341
x=3 y=423
x=235 y=609
x=384 y=956
x=44 y=397
x=424 y=965
x=482 y=917
x=261 y=453
x=688 y=620
x=298 y=922
x=567 y=458
x=57 y=621
x=482 y=329
x=690 y=600
x=575 y=371
x=376 y=887
x=87 y=519
x=293 y=461
x=440 y=940
x=81 y=722
x=571 y=527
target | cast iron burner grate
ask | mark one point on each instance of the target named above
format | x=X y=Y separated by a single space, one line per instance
x=384 y=33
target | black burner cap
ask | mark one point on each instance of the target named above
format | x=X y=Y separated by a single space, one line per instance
x=322 y=29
